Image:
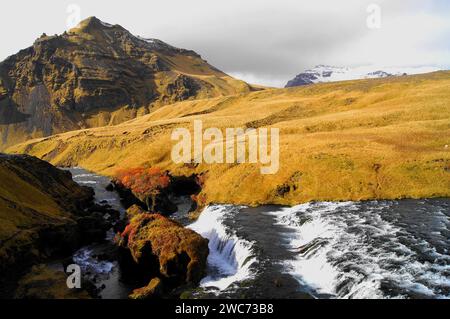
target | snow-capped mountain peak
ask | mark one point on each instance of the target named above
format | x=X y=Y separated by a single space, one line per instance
x=327 y=73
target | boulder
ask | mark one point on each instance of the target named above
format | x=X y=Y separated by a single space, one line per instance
x=110 y=187
x=165 y=248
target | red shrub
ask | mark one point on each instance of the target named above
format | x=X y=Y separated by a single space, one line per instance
x=144 y=181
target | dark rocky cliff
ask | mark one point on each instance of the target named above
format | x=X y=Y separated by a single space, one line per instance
x=43 y=214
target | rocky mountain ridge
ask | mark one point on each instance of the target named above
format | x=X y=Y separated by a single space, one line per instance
x=98 y=74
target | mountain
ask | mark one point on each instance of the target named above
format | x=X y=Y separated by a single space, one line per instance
x=326 y=73
x=98 y=74
x=354 y=140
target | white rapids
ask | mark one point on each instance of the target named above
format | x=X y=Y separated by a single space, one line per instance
x=376 y=249
x=230 y=258
x=349 y=250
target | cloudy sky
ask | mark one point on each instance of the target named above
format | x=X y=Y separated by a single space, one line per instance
x=265 y=42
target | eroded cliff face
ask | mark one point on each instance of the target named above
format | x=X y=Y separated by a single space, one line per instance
x=43 y=214
x=95 y=75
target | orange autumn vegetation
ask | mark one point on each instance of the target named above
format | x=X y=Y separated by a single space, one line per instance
x=143 y=181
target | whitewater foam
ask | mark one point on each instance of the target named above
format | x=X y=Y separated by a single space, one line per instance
x=78 y=176
x=230 y=258
x=88 y=262
x=347 y=250
x=87 y=182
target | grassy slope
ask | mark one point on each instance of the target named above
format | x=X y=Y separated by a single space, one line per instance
x=24 y=210
x=17 y=199
x=33 y=197
x=352 y=140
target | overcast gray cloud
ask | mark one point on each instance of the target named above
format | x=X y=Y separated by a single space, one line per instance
x=266 y=42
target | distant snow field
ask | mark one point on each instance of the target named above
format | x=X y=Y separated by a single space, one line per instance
x=326 y=73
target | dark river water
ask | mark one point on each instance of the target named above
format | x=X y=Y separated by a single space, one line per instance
x=375 y=249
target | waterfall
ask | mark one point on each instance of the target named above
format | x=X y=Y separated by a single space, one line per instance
x=230 y=258
x=311 y=238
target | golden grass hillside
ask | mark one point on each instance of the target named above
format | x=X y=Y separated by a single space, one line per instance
x=357 y=140
x=34 y=194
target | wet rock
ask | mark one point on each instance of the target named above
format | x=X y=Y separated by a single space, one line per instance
x=162 y=205
x=163 y=202
x=97 y=208
x=184 y=185
x=127 y=197
x=119 y=226
x=93 y=228
x=110 y=187
x=114 y=214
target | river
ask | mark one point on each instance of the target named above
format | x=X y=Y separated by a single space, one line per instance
x=374 y=249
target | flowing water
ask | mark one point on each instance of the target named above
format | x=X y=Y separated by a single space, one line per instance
x=99 y=261
x=375 y=249
x=103 y=271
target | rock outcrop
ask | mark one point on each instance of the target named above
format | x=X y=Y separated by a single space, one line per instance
x=43 y=213
x=152 y=189
x=95 y=75
x=162 y=248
